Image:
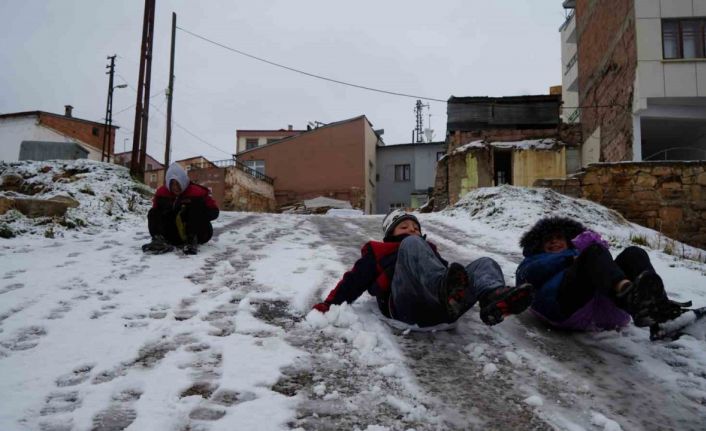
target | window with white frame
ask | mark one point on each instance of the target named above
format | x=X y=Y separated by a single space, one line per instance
x=684 y=38
x=402 y=172
x=397 y=205
x=256 y=165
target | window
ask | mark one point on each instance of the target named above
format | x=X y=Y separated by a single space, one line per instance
x=149 y=166
x=250 y=143
x=684 y=38
x=271 y=140
x=95 y=131
x=402 y=173
x=439 y=155
x=398 y=205
x=257 y=165
x=153 y=178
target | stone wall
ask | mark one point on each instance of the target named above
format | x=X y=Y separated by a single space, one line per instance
x=243 y=192
x=669 y=197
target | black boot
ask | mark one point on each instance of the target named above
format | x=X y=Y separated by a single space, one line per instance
x=191 y=246
x=158 y=245
x=504 y=301
x=646 y=300
x=453 y=291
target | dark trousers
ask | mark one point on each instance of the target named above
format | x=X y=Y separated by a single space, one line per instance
x=595 y=271
x=195 y=220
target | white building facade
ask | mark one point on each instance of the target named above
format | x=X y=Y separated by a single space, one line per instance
x=669 y=105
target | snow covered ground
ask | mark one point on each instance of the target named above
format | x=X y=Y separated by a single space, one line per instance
x=94 y=335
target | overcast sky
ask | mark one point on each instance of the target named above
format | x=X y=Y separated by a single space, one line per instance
x=53 y=53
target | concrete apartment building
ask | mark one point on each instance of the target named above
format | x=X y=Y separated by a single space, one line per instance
x=640 y=75
x=249 y=139
x=406 y=173
x=336 y=160
x=46 y=127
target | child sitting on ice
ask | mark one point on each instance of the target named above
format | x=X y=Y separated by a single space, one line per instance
x=581 y=287
x=414 y=284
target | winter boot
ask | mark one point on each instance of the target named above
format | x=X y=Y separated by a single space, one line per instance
x=646 y=300
x=158 y=245
x=453 y=291
x=191 y=246
x=504 y=301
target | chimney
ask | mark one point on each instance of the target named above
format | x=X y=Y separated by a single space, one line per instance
x=289 y=127
x=67 y=110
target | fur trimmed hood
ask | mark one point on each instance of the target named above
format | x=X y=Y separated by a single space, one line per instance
x=532 y=240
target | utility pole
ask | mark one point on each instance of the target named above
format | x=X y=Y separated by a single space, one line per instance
x=170 y=94
x=139 y=142
x=105 y=149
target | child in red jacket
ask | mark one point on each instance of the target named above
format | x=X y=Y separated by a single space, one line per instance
x=414 y=284
x=181 y=214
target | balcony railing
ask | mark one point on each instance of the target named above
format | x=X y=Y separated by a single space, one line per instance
x=571 y=63
x=233 y=163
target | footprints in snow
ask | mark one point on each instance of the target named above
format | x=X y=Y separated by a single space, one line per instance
x=120 y=414
x=25 y=338
x=79 y=375
x=11 y=287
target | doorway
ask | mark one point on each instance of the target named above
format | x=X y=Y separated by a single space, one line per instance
x=502 y=167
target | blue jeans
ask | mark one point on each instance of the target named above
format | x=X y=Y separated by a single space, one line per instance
x=419 y=276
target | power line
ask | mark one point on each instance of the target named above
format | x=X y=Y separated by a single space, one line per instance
x=190 y=132
x=313 y=75
x=363 y=87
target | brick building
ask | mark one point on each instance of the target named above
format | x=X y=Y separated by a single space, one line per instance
x=154 y=170
x=336 y=160
x=504 y=140
x=47 y=127
x=640 y=76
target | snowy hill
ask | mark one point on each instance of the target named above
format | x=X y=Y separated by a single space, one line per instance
x=106 y=193
x=96 y=335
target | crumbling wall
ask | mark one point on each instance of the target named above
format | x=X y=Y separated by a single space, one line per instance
x=243 y=192
x=669 y=197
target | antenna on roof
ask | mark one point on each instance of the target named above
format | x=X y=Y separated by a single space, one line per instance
x=418 y=132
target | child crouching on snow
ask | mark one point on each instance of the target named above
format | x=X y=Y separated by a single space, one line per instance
x=414 y=284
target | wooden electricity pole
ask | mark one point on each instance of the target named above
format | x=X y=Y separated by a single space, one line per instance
x=142 y=106
x=170 y=94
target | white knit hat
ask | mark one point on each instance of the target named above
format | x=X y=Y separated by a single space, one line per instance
x=395 y=217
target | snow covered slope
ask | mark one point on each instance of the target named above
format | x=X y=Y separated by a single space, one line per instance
x=106 y=193
x=96 y=335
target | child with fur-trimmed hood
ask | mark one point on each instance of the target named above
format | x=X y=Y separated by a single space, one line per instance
x=414 y=284
x=581 y=287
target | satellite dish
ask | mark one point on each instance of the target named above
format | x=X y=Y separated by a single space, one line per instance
x=429 y=134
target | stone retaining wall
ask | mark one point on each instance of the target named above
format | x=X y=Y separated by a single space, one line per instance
x=669 y=197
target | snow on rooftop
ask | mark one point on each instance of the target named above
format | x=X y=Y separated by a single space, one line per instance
x=527 y=144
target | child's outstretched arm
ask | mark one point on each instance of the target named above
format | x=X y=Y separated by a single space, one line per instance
x=354 y=282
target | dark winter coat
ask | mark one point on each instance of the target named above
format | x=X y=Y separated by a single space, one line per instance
x=196 y=196
x=546 y=270
x=372 y=272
